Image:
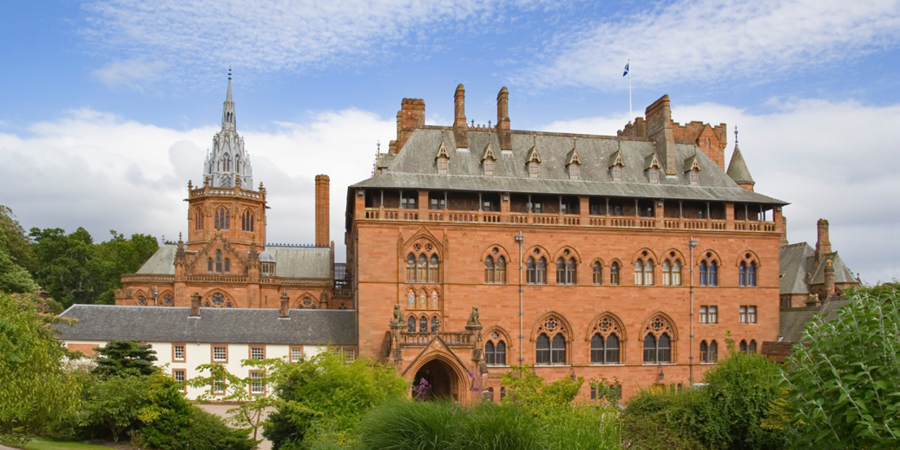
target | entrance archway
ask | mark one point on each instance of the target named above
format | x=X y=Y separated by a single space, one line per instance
x=443 y=382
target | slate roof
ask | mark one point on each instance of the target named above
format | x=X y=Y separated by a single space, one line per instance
x=215 y=325
x=793 y=321
x=290 y=262
x=414 y=168
x=798 y=269
x=737 y=168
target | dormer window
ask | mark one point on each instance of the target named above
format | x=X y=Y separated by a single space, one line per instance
x=533 y=162
x=617 y=173
x=573 y=162
x=487 y=161
x=574 y=171
x=695 y=177
x=653 y=174
x=534 y=169
x=692 y=167
x=443 y=159
x=616 y=164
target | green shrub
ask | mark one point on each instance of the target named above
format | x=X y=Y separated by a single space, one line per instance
x=490 y=426
x=662 y=419
x=409 y=425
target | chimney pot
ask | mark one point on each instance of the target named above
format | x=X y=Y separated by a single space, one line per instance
x=195 y=305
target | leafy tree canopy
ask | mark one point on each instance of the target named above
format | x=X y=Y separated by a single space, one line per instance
x=528 y=389
x=14 y=239
x=36 y=391
x=125 y=357
x=845 y=374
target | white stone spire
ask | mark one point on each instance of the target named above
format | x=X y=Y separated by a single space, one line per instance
x=228 y=158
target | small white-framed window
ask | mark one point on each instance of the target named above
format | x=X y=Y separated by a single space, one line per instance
x=178 y=353
x=257 y=382
x=296 y=354
x=257 y=353
x=220 y=353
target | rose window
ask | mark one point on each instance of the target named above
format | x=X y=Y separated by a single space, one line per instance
x=657 y=324
x=551 y=324
x=307 y=302
x=605 y=324
x=169 y=301
x=218 y=299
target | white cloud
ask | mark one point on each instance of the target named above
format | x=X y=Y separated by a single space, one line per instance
x=712 y=40
x=132 y=73
x=272 y=35
x=831 y=160
x=102 y=172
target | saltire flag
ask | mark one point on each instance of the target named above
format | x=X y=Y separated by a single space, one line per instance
x=626 y=68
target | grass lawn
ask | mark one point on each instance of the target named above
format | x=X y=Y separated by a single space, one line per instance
x=47 y=444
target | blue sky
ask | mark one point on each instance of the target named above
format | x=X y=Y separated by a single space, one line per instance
x=108 y=106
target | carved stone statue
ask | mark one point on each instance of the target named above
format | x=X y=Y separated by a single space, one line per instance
x=473 y=318
x=398 y=318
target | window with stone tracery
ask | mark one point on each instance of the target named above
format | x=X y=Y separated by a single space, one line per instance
x=671 y=273
x=605 y=345
x=433 y=269
x=550 y=346
x=658 y=341
x=198 y=219
x=222 y=219
x=218 y=261
x=247 y=221
x=614 y=274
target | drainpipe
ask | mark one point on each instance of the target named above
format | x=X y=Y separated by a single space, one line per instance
x=520 y=239
x=691 y=244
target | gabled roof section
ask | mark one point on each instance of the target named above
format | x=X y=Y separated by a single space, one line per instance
x=795 y=262
x=737 y=168
x=652 y=161
x=616 y=159
x=533 y=155
x=488 y=153
x=162 y=262
x=692 y=163
x=572 y=157
x=842 y=273
x=442 y=152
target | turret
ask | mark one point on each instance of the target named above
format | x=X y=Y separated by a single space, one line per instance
x=737 y=168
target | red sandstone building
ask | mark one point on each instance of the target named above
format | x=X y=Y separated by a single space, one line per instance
x=474 y=248
x=226 y=260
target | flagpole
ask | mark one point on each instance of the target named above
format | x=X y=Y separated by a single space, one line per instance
x=630 y=110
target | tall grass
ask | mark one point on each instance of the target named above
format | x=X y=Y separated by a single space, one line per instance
x=408 y=425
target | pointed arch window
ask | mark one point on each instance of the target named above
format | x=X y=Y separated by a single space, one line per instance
x=751 y=274
x=530 y=271
x=542 y=351
x=605 y=350
x=209 y=265
x=742 y=274
x=410 y=268
x=534 y=169
x=198 y=219
x=703 y=271
x=489 y=270
x=423 y=324
x=561 y=271
x=598 y=273
x=713 y=274
x=752 y=347
x=500 y=276
x=743 y=346
x=227 y=265
x=247 y=221
x=671 y=273
x=223 y=219
x=614 y=274
x=558 y=350
x=571 y=271
x=541 y=271
x=443 y=164
x=500 y=354
x=666 y=273
x=638 y=273
x=218 y=261
x=648 y=272
x=422 y=268
x=435 y=324
x=411 y=324
x=657 y=350
x=237 y=164
x=490 y=354
x=709 y=353
x=433 y=269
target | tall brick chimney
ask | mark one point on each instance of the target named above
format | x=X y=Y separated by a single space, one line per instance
x=284 y=304
x=460 y=129
x=195 y=305
x=503 y=131
x=784 y=240
x=829 y=278
x=410 y=117
x=823 y=245
x=323 y=201
x=660 y=132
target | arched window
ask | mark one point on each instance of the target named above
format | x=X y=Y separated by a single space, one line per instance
x=530 y=271
x=561 y=271
x=676 y=273
x=542 y=354
x=489 y=269
x=751 y=274
x=658 y=341
x=704 y=352
x=410 y=268
x=423 y=324
x=209 y=265
x=614 y=274
x=713 y=352
x=605 y=351
x=422 y=269
x=650 y=349
x=598 y=273
x=542 y=271
x=713 y=274
x=744 y=346
x=411 y=324
x=237 y=164
x=223 y=219
x=752 y=347
x=558 y=350
x=702 y=273
x=218 y=261
x=247 y=221
x=500 y=358
x=489 y=354
x=435 y=324
x=433 y=269
x=638 y=273
x=198 y=219
x=648 y=272
x=666 y=273
x=500 y=276
x=572 y=271
x=742 y=274
x=227 y=265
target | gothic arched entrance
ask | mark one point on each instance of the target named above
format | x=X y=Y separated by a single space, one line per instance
x=443 y=381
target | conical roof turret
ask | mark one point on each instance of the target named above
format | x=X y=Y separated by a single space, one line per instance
x=737 y=168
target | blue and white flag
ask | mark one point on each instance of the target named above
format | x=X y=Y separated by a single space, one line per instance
x=626 y=68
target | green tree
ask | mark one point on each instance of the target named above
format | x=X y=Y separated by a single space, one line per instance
x=845 y=373
x=37 y=393
x=63 y=264
x=14 y=238
x=526 y=388
x=125 y=357
x=324 y=397
x=220 y=384
x=116 y=403
x=13 y=277
x=119 y=256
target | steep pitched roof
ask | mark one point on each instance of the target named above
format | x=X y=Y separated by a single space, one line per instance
x=795 y=262
x=737 y=168
x=842 y=273
x=290 y=262
x=215 y=325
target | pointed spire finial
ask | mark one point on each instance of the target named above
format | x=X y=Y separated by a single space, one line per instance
x=735 y=135
x=229 y=73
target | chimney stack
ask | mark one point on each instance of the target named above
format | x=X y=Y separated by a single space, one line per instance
x=784 y=240
x=460 y=129
x=503 y=130
x=410 y=117
x=823 y=245
x=195 y=305
x=660 y=131
x=829 y=279
x=323 y=207
x=284 y=304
